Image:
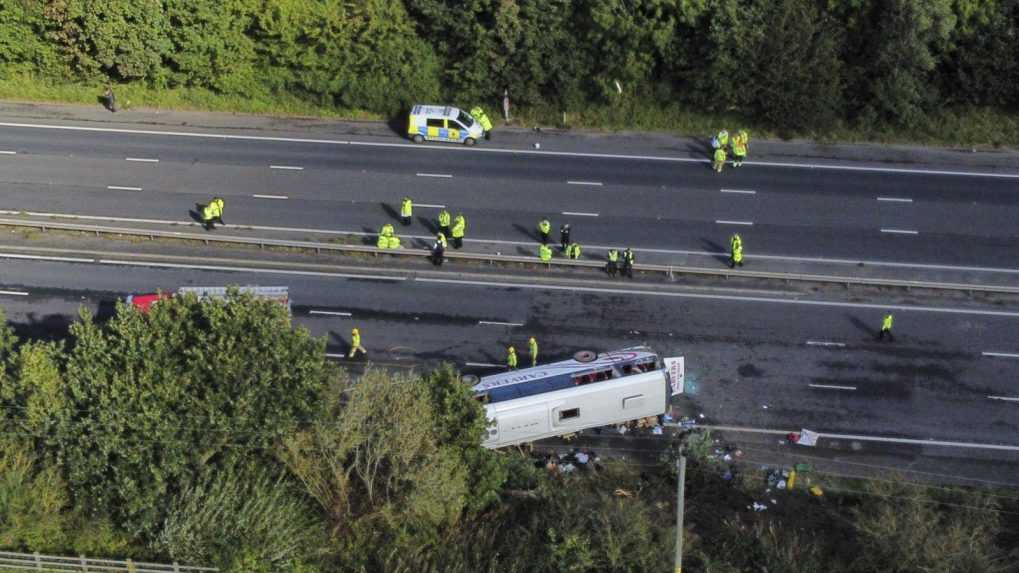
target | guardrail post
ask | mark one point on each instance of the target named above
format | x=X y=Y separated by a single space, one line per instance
x=84 y=563
x=38 y=561
x=130 y=567
x=176 y=568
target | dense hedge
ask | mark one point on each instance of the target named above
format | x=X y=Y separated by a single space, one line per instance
x=787 y=64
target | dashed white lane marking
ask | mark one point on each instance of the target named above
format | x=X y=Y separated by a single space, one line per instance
x=591 y=183
x=45 y=258
x=287 y=167
x=497 y=323
x=13 y=292
x=498 y=150
x=1004 y=398
x=1000 y=354
x=329 y=355
x=895 y=199
x=825 y=343
x=329 y=313
x=727 y=297
x=257 y=196
x=740 y=191
x=900 y=231
x=725 y=222
x=580 y=214
x=862 y=438
x=832 y=387
x=439 y=175
x=8 y=152
x=122 y=188
x=484 y=364
x=141 y=159
x=428 y=206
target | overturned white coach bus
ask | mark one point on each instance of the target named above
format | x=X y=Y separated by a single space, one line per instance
x=572 y=395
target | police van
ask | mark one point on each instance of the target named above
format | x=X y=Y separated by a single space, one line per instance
x=443 y=123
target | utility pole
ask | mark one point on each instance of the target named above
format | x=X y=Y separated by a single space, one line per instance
x=680 y=486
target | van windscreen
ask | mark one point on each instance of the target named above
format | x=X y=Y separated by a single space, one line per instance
x=465 y=119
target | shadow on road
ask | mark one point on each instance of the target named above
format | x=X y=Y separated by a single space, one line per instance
x=529 y=233
x=714 y=247
x=863 y=327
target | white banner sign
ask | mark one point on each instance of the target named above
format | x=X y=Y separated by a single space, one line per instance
x=676 y=368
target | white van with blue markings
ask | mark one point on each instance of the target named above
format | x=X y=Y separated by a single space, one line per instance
x=443 y=123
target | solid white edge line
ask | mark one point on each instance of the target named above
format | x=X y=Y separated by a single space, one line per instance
x=248 y=270
x=497 y=323
x=257 y=196
x=732 y=298
x=900 y=231
x=862 y=438
x=591 y=183
x=739 y=191
x=8 y=152
x=498 y=150
x=428 y=206
x=122 y=188
x=725 y=222
x=45 y=258
x=329 y=313
x=832 y=387
x=825 y=343
x=1004 y=398
x=14 y=292
x=141 y=159
x=895 y=199
x=438 y=175
x=484 y=364
x=579 y=214
x=287 y=167
x=1000 y=354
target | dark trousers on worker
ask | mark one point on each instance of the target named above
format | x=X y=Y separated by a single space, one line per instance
x=544 y=237
x=458 y=242
x=405 y=220
x=733 y=263
x=627 y=270
x=438 y=255
x=564 y=240
x=886 y=331
x=445 y=231
x=612 y=268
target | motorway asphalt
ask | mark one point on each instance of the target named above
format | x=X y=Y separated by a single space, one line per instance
x=643 y=203
x=751 y=361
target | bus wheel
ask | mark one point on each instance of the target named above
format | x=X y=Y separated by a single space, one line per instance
x=585 y=356
x=418 y=138
x=469 y=141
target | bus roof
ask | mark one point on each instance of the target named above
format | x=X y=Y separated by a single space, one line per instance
x=543 y=374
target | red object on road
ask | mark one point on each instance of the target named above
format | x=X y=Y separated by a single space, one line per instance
x=144 y=301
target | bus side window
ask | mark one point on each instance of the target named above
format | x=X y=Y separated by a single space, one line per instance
x=569 y=414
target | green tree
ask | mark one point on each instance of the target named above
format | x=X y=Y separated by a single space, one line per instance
x=904 y=528
x=243 y=519
x=375 y=466
x=124 y=39
x=162 y=397
x=974 y=71
x=905 y=47
x=33 y=498
x=210 y=47
x=22 y=45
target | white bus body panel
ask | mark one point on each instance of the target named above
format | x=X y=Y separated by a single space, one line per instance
x=564 y=411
